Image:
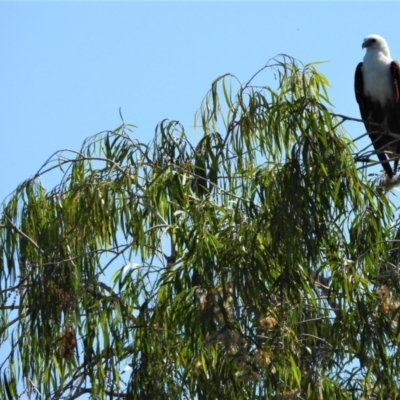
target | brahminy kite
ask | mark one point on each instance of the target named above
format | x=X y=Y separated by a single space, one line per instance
x=377 y=88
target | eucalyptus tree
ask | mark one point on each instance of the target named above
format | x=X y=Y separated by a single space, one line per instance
x=259 y=262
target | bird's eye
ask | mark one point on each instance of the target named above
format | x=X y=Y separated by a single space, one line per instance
x=373 y=40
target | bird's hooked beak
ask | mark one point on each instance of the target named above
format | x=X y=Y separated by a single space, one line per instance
x=368 y=42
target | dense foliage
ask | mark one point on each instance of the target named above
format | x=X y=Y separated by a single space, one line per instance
x=256 y=263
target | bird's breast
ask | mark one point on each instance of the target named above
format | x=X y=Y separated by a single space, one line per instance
x=378 y=82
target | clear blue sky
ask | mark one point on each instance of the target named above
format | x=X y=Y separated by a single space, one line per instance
x=67 y=68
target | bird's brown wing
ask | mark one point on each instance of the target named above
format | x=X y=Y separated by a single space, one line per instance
x=373 y=117
x=395 y=128
x=359 y=91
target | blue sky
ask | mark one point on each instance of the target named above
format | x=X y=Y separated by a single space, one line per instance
x=68 y=67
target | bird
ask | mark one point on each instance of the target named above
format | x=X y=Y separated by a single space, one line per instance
x=377 y=90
